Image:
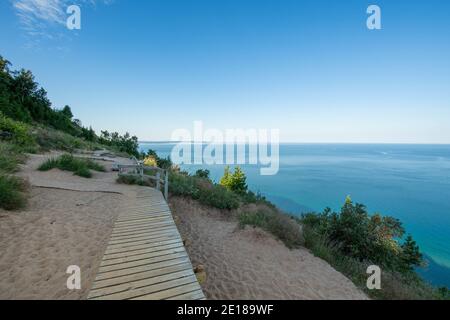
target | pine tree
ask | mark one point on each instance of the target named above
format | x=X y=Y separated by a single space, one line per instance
x=239 y=181
x=411 y=255
x=226 y=179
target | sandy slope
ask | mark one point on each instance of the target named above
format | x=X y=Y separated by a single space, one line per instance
x=58 y=229
x=251 y=264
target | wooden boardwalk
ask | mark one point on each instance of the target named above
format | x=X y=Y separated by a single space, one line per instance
x=145 y=258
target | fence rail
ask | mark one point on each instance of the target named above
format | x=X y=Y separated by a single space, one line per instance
x=161 y=176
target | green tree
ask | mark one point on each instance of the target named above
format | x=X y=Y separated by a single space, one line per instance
x=67 y=112
x=204 y=174
x=411 y=255
x=239 y=181
x=225 y=181
x=236 y=182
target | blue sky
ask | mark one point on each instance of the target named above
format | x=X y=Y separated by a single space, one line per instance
x=309 y=68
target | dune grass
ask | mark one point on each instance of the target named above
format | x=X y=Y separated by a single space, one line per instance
x=271 y=220
x=12 y=189
x=134 y=180
x=67 y=162
x=12 y=192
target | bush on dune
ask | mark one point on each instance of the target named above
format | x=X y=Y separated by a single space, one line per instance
x=18 y=130
x=277 y=223
x=367 y=237
x=352 y=240
x=203 y=190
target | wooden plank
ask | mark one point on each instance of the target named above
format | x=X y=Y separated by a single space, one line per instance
x=142 y=262
x=146 y=208
x=137 y=284
x=152 y=289
x=162 y=229
x=147 y=242
x=146 y=225
x=165 y=238
x=144 y=218
x=140 y=217
x=144 y=232
x=172 y=292
x=139 y=276
x=121 y=260
x=153 y=226
x=194 y=295
x=148 y=267
x=154 y=207
x=133 y=239
x=175 y=243
x=134 y=235
x=150 y=223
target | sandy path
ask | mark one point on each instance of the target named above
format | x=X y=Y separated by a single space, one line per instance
x=58 y=229
x=251 y=264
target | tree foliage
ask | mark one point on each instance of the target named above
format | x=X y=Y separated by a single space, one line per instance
x=236 y=181
x=22 y=99
x=374 y=238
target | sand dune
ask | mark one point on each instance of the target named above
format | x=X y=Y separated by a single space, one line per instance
x=251 y=264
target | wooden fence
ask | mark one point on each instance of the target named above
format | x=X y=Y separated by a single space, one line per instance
x=160 y=176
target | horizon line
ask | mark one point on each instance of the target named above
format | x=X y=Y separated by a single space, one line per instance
x=288 y=142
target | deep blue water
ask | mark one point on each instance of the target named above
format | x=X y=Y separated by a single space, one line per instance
x=410 y=182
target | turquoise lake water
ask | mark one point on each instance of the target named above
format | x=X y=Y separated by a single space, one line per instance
x=409 y=182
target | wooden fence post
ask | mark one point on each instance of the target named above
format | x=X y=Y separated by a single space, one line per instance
x=166 y=185
x=158 y=180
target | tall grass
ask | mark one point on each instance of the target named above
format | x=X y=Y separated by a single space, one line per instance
x=67 y=162
x=12 y=189
x=134 y=180
x=10 y=157
x=12 y=192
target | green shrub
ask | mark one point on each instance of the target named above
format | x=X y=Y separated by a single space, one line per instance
x=394 y=285
x=274 y=222
x=10 y=157
x=78 y=166
x=19 y=131
x=218 y=197
x=12 y=192
x=367 y=237
x=204 y=190
x=51 y=139
x=182 y=184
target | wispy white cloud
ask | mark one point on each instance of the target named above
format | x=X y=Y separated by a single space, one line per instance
x=44 y=17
